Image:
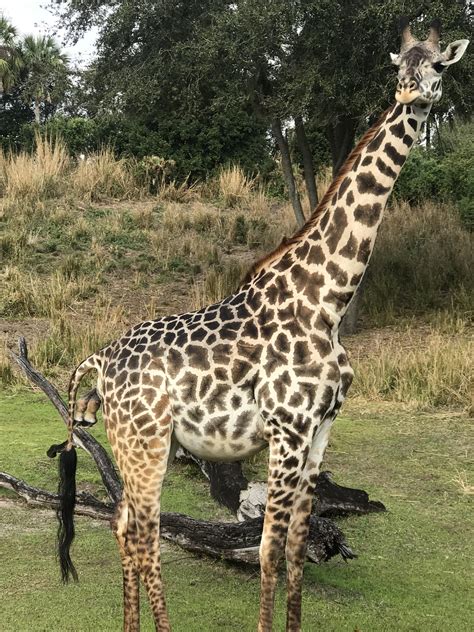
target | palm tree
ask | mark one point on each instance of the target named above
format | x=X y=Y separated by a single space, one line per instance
x=10 y=57
x=47 y=70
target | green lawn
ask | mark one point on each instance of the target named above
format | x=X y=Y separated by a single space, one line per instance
x=414 y=565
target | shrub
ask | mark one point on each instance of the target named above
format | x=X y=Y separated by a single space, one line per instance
x=442 y=173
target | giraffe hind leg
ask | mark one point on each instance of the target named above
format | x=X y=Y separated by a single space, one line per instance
x=284 y=467
x=299 y=525
x=131 y=578
x=142 y=458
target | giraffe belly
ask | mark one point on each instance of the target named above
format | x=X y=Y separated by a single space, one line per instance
x=221 y=436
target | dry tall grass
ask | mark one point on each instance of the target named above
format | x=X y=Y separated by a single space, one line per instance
x=28 y=294
x=436 y=371
x=70 y=341
x=423 y=259
x=235 y=186
x=218 y=283
x=30 y=177
x=102 y=176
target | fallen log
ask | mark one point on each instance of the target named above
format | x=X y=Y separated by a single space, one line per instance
x=230 y=487
x=232 y=541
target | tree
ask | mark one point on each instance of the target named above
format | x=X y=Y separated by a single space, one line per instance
x=46 y=72
x=10 y=57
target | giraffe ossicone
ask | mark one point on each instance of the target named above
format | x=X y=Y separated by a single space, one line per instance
x=263 y=367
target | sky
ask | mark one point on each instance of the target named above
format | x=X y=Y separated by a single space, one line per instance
x=30 y=18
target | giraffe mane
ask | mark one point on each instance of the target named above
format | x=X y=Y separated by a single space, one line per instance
x=288 y=242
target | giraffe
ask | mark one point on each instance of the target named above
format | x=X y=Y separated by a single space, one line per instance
x=264 y=367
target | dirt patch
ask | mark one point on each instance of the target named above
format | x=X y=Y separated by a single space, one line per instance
x=30 y=328
x=17 y=517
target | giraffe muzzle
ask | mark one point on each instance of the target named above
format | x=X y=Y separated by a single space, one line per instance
x=407 y=92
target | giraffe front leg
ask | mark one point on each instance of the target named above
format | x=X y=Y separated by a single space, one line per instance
x=131 y=580
x=284 y=469
x=299 y=525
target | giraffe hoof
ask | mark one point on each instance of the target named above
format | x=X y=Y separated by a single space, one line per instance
x=84 y=423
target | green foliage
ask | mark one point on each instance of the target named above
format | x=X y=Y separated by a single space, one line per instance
x=444 y=172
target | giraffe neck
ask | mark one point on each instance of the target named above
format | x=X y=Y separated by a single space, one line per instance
x=337 y=248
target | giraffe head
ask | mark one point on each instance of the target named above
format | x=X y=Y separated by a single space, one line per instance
x=421 y=64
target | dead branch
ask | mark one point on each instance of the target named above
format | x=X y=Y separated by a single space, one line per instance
x=233 y=541
x=105 y=466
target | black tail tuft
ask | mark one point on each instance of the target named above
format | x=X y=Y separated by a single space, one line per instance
x=56 y=448
x=65 y=513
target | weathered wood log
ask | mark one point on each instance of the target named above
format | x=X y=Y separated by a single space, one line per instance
x=334 y=500
x=109 y=476
x=86 y=504
x=230 y=488
x=234 y=541
x=226 y=480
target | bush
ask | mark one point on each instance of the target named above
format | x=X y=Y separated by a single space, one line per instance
x=442 y=173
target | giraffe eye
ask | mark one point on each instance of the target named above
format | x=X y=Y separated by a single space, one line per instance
x=439 y=67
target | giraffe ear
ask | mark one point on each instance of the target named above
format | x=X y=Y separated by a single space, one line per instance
x=395 y=59
x=454 y=52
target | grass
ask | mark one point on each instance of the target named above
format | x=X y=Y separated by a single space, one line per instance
x=234 y=185
x=422 y=260
x=436 y=373
x=102 y=177
x=413 y=570
x=31 y=178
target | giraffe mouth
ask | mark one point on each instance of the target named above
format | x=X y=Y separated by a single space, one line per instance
x=407 y=96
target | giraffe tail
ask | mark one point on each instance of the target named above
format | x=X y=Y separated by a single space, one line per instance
x=67 y=474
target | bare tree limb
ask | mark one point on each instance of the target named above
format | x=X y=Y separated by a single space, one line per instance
x=104 y=464
x=233 y=541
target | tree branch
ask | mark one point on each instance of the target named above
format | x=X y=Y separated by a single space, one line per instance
x=233 y=541
x=83 y=439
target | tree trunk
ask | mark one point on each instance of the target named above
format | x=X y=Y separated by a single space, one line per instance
x=288 y=171
x=341 y=139
x=36 y=109
x=308 y=166
x=351 y=317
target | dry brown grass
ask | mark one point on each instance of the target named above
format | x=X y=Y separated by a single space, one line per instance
x=29 y=294
x=234 y=185
x=183 y=192
x=102 y=176
x=463 y=485
x=436 y=370
x=218 y=283
x=70 y=341
x=423 y=259
x=31 y=177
